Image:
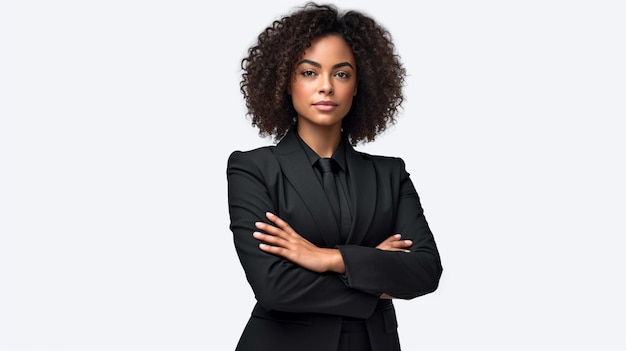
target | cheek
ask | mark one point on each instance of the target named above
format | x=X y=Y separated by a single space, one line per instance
x=298 y=89
x=346 y=91
x=299 y=96
x=346 y=95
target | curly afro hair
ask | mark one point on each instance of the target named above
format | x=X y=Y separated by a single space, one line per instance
x=269 y=67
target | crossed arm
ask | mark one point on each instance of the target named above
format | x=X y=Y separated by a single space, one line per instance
x=280 y=239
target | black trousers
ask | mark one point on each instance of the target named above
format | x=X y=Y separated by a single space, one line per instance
x=354 y=336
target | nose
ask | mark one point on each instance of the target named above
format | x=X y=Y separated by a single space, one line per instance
x=326 y=85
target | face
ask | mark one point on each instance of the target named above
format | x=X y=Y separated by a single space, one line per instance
x=324 y=83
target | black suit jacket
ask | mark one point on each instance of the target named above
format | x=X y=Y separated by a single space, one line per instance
x=298 y=309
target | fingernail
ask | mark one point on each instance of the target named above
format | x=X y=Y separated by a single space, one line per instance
x=269 y=214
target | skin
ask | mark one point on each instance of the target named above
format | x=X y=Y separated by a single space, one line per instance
x=322 y=90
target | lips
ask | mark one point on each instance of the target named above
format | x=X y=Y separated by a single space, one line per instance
x=325 y=103
x=325 y=106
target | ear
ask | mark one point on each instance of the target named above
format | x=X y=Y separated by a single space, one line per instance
x=354 y=92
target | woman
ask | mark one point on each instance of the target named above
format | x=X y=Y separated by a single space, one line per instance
x=325 y=253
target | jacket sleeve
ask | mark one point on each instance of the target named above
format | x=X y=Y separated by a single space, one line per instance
x=254 y=179
x=399 y=274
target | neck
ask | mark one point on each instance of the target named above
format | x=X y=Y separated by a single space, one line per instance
x=323 y=140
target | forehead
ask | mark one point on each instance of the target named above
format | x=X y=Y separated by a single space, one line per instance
x=330 y=47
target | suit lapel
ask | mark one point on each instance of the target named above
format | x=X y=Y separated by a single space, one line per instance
x=363 y=188
x=298 y=171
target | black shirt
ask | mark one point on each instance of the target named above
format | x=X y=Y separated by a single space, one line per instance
x=342 y=174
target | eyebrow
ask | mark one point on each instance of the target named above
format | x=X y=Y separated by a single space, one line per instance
x=337 y=65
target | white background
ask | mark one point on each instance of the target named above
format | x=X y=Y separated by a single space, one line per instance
x=117 y=117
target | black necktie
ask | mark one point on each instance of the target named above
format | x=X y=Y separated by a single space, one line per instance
x=329 y=166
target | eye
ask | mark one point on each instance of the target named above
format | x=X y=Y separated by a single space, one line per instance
x=307 y=73
x=342 y=75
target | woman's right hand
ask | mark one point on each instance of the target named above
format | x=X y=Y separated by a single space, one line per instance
x=395 y=243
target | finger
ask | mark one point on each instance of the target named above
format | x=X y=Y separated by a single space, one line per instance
x=400 y=247
x=393 y=238
x=394 y=241
x=397 y=241
x=270 y=239
x=398 y=250
x=389 y=240
x=277 y=250
x=397 y=245
x=402 y=243
x=278 y=221
x=270 y=229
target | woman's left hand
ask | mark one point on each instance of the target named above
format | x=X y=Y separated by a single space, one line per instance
x=282 y=240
